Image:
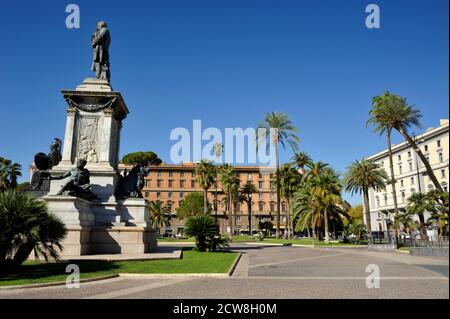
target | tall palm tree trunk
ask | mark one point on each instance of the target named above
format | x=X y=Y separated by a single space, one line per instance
x=205 y=201
x=230 y=215
x=327 y=234
x=278 y=189
x=423 y=159
x=288 y=219
x=391 y=167
x=367 y=212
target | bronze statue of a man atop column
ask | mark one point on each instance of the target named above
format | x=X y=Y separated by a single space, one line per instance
x=100 y=43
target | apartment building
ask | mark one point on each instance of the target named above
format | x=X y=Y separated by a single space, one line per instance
x=410 y=173
x=170 y=183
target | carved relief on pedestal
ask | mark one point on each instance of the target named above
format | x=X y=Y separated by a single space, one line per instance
x=87 y=140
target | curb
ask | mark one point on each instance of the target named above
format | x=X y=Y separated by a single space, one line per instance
x=268 y=244
x=57 y=283
x=234 y=265
x=183 y=275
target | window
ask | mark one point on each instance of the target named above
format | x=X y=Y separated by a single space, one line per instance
x=171 y=183
x=399 y=158
x=439 y=143
x=181 y=174
x=170 y=174
x=272 y=206
x=193 y=174
x=158 y=183
x=385 y=200
x=271 y=175
x=192 y=184
x=260 y=175
x=378 y=201
x=260 y=195
x=271 y=184
x=441 y=157
x=261 y=206
x=409 y=154
x=159 y=174
x=158 y=194
x=169 y=194
x=271 y=196
x=146 y=183
x=181 y=184
x=443 y=173
x=400 y=169
x=401 y=183
x=239 y=218
x=382 y=164
x=412 y=180
x=169 y=205
x=181 y=195
x=410 y=166
x=426 y=148
x=260 y=184
x=249 y=176
x=283 y=207
x=403 y=197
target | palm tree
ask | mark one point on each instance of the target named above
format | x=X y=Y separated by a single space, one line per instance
x=159 y=214
x=361 y=176
x=327 y=190
x=313 y=202
x=26 y=225
x=401 y=116
x=302 y=159
x=218 y=149
x=418 y=204
x=290 y=180
x=305 y=210
x=380 y=118
x=228 y=179
x=314 y=169
x=276 y=128
x=206 y=176
x=247 y=191
x=8 y=173
x=204 y=228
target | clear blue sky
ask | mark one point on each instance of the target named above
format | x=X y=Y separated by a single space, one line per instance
x=226 y=62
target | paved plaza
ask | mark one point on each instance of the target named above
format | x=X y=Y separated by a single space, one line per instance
x=281 y=272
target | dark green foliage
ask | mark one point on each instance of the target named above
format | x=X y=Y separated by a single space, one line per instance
x=265 y=228
x=206 y=232
x=9 y=172
x=192 y=205
x=26 y=225
x=141 y=158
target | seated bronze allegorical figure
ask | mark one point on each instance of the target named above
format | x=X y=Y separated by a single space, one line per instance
x=79 y=184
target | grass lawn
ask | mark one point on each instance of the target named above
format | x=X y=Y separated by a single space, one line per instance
x=404 y=248
x=192 y=262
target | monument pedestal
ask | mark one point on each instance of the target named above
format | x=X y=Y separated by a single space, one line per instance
x=106 y=225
